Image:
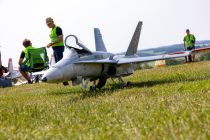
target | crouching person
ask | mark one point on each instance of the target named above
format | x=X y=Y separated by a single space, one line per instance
x=24 y=66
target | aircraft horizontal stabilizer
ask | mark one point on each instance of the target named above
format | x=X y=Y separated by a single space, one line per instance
x=103 y=61
x=137 y=59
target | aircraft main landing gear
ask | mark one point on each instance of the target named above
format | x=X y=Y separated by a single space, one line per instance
x=122 y=83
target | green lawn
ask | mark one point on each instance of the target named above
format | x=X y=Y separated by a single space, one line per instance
x=163 y=103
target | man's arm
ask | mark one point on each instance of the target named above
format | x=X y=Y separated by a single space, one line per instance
x=20 y=62
x=60 y=39
x=194 y=40
x=184 y=45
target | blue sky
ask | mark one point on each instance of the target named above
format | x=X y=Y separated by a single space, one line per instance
x=164 y=22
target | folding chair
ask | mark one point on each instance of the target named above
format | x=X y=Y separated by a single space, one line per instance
x=38 y=61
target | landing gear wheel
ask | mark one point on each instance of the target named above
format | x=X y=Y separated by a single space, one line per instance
x=92 y=89
x=122 y=85
x=36 y=79
x=128 y=84
x=101 y=82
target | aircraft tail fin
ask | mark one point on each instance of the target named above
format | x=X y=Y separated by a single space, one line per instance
x=132 y=49
x=99 y=43
x=10 y=65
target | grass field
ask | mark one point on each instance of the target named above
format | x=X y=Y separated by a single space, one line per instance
x=163 y=103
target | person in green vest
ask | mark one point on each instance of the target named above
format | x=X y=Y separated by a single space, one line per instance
x=189 y=44
x=56 y=41
x=23 y=60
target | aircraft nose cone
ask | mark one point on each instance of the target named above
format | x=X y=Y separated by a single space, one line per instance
x=44 y=79
x=52 y=75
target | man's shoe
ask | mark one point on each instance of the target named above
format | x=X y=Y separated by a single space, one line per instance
x=30 y=82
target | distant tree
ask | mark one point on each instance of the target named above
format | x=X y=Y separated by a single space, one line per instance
x=145 y=66
x=170 y=62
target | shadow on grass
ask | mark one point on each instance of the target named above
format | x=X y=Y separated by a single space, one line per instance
x=64 y=90
x=114 y=87
x=151 y=83
x=111 y=88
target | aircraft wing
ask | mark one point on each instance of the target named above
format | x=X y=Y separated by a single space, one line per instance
x=101 y=61
x=136 y=59
x=201 y=50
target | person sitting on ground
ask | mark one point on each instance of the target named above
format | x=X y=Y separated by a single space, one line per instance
x=3 y=70
x=4 y=82
x=23 y=64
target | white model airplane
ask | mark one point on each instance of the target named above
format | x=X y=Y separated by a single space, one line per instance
x=80 y=65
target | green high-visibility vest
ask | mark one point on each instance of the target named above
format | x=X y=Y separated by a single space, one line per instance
x=26 y=54
x=54 y=37
x=190 y=40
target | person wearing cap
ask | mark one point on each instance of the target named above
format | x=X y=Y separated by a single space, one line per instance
x=57 y=44
x=189 y=44
x=23 y=64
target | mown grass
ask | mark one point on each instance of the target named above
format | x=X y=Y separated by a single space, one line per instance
x=162 y=103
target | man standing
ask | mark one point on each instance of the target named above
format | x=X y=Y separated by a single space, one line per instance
x=189 y=44
x=56 y=37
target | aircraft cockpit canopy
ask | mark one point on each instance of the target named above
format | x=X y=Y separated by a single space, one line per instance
x=71 y=41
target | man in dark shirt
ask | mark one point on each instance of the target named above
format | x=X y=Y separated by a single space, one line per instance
x=57 y=44
x=56 y=37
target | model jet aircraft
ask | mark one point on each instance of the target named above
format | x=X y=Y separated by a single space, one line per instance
x=81 y=65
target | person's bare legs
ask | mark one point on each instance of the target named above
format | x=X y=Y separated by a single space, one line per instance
x=193 y=58
x=25 y=75
x=189 y=58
